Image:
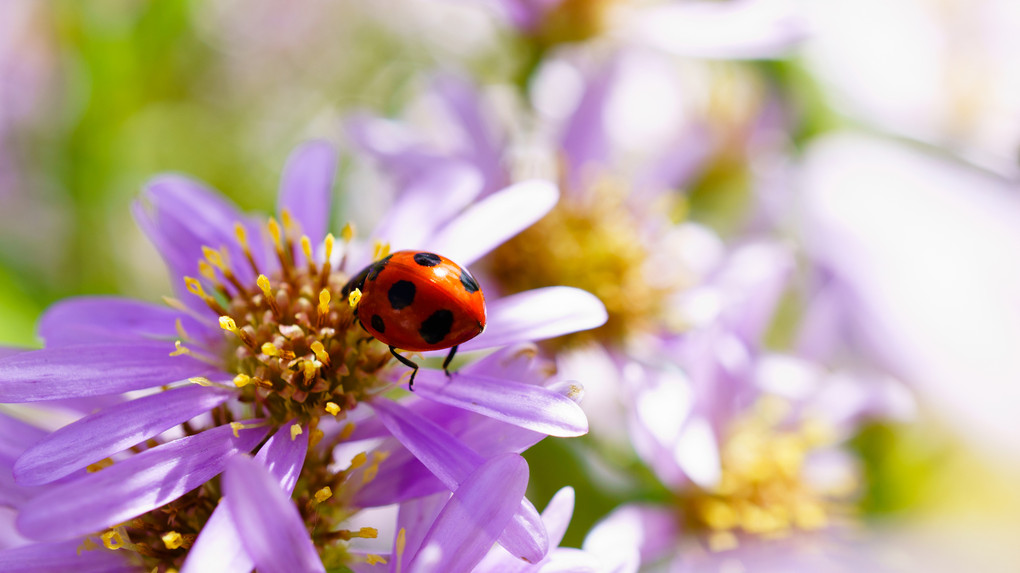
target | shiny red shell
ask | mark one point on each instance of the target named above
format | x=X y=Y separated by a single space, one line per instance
x=418 y=301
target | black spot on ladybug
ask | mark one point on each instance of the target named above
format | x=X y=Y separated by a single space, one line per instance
x=436 y=326
x=401 y=294
x=427 y=259
x=469 y=282
x=378 y=324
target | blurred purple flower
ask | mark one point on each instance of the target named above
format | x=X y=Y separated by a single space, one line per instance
x=288 y=344
x=914 y=251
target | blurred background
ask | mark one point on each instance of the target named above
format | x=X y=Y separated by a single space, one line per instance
x=880 y=138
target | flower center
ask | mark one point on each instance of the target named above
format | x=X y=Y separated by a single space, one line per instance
x=292 y=338
x=593 y=242
x=764 y=490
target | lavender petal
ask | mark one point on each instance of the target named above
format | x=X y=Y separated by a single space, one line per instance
x=491 y=221
x=474 y=517
x=132 y=487
x=269 y=524
x=539 y=314
x=306 y=187
x=62 y=557
x=93 y=370
x=527 y=406
x=97 y=436
x=87 y=320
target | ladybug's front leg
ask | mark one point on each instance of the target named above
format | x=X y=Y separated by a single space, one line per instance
x=449 y=358
x=406 y=362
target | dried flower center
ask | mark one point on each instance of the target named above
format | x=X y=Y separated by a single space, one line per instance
x=763 y=490
x=595 y=243
x=292 y=338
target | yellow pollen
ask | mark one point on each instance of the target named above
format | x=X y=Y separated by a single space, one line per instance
x=400 y=546
x=179 y=349
x=263 y=282
x=242 y=235
x=200 y=380
x=324 y=298
x=235 y=427
x=274 y=232
x=288 y=221
x=306 y=248
x=270 y=349
x=315 y=437
x=228 y=324
x=354 y=298
x=310 y=368
x=347 y=431
x=359 y=460
x=320 y=352
x=172 y=540
x=323 y=494
x=195 y=287
x=206 y=270
x=368 y=533
x=373 y=559
x=101 y=464
x=112 y=540
x=380 y=250
x=213 y=256
x=295 y=431
x=242 y=380
x=347 y=233
x=332 y=408
x=328 y=244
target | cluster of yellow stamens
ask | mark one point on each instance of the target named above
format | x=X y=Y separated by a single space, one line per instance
x=294 y=345
x=763 y=491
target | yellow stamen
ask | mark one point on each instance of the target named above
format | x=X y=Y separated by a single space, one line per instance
x=373 y=559
x=295 y=431
x=320 y=352
x=306 y=248
x=206 y=270
x=101 y=464
x=267 y=291
x=228 y=324
x=242 y=380
x=235 y=427
x=368 y=533
x=200 y=380
x=333 y=408
x=324 y=298
x=399 y=548
x=315 y=437
x=195 y=287
x=359 y=460
x=179 y=349
x=323 y=494
x=242 y=235
x=354 y=298
x=112 y=540
x=274 y=232
x=214 y=257
x=172 y=540
x=380 y=250
x=179 y=327
x=347 y=233
x=289 y=224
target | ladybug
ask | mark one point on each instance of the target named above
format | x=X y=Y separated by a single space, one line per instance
x=417 y=301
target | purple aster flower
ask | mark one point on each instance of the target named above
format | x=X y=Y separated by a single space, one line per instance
x=262 y=344
x=747 y=441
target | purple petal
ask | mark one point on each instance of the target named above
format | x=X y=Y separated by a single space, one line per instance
x=527 y=406
x=557 y=514
x=415 y=517
x=539 y=314
x=306 y=187
x=88 y=320
x=130 y=488
x=441 y=191
x=61 y=558
x=484 y=149
x=15 y=437
x=219 y=547
x=633 y=534
x=585 y=140
x=111 y=430
x=184 y=216
x=93 y=370
x=491 y=221
x=270 y=526
x=751 y=29
x=451 y=461
x=474 y=517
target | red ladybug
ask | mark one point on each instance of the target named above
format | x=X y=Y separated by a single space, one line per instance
x=417 y=301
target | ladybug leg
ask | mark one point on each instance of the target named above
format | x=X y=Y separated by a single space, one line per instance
x=406 y=362
x=449 y=358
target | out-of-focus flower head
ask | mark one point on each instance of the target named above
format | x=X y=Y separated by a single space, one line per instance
x=262 y=344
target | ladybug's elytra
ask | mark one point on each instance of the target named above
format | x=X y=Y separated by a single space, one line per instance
x=418 y=301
